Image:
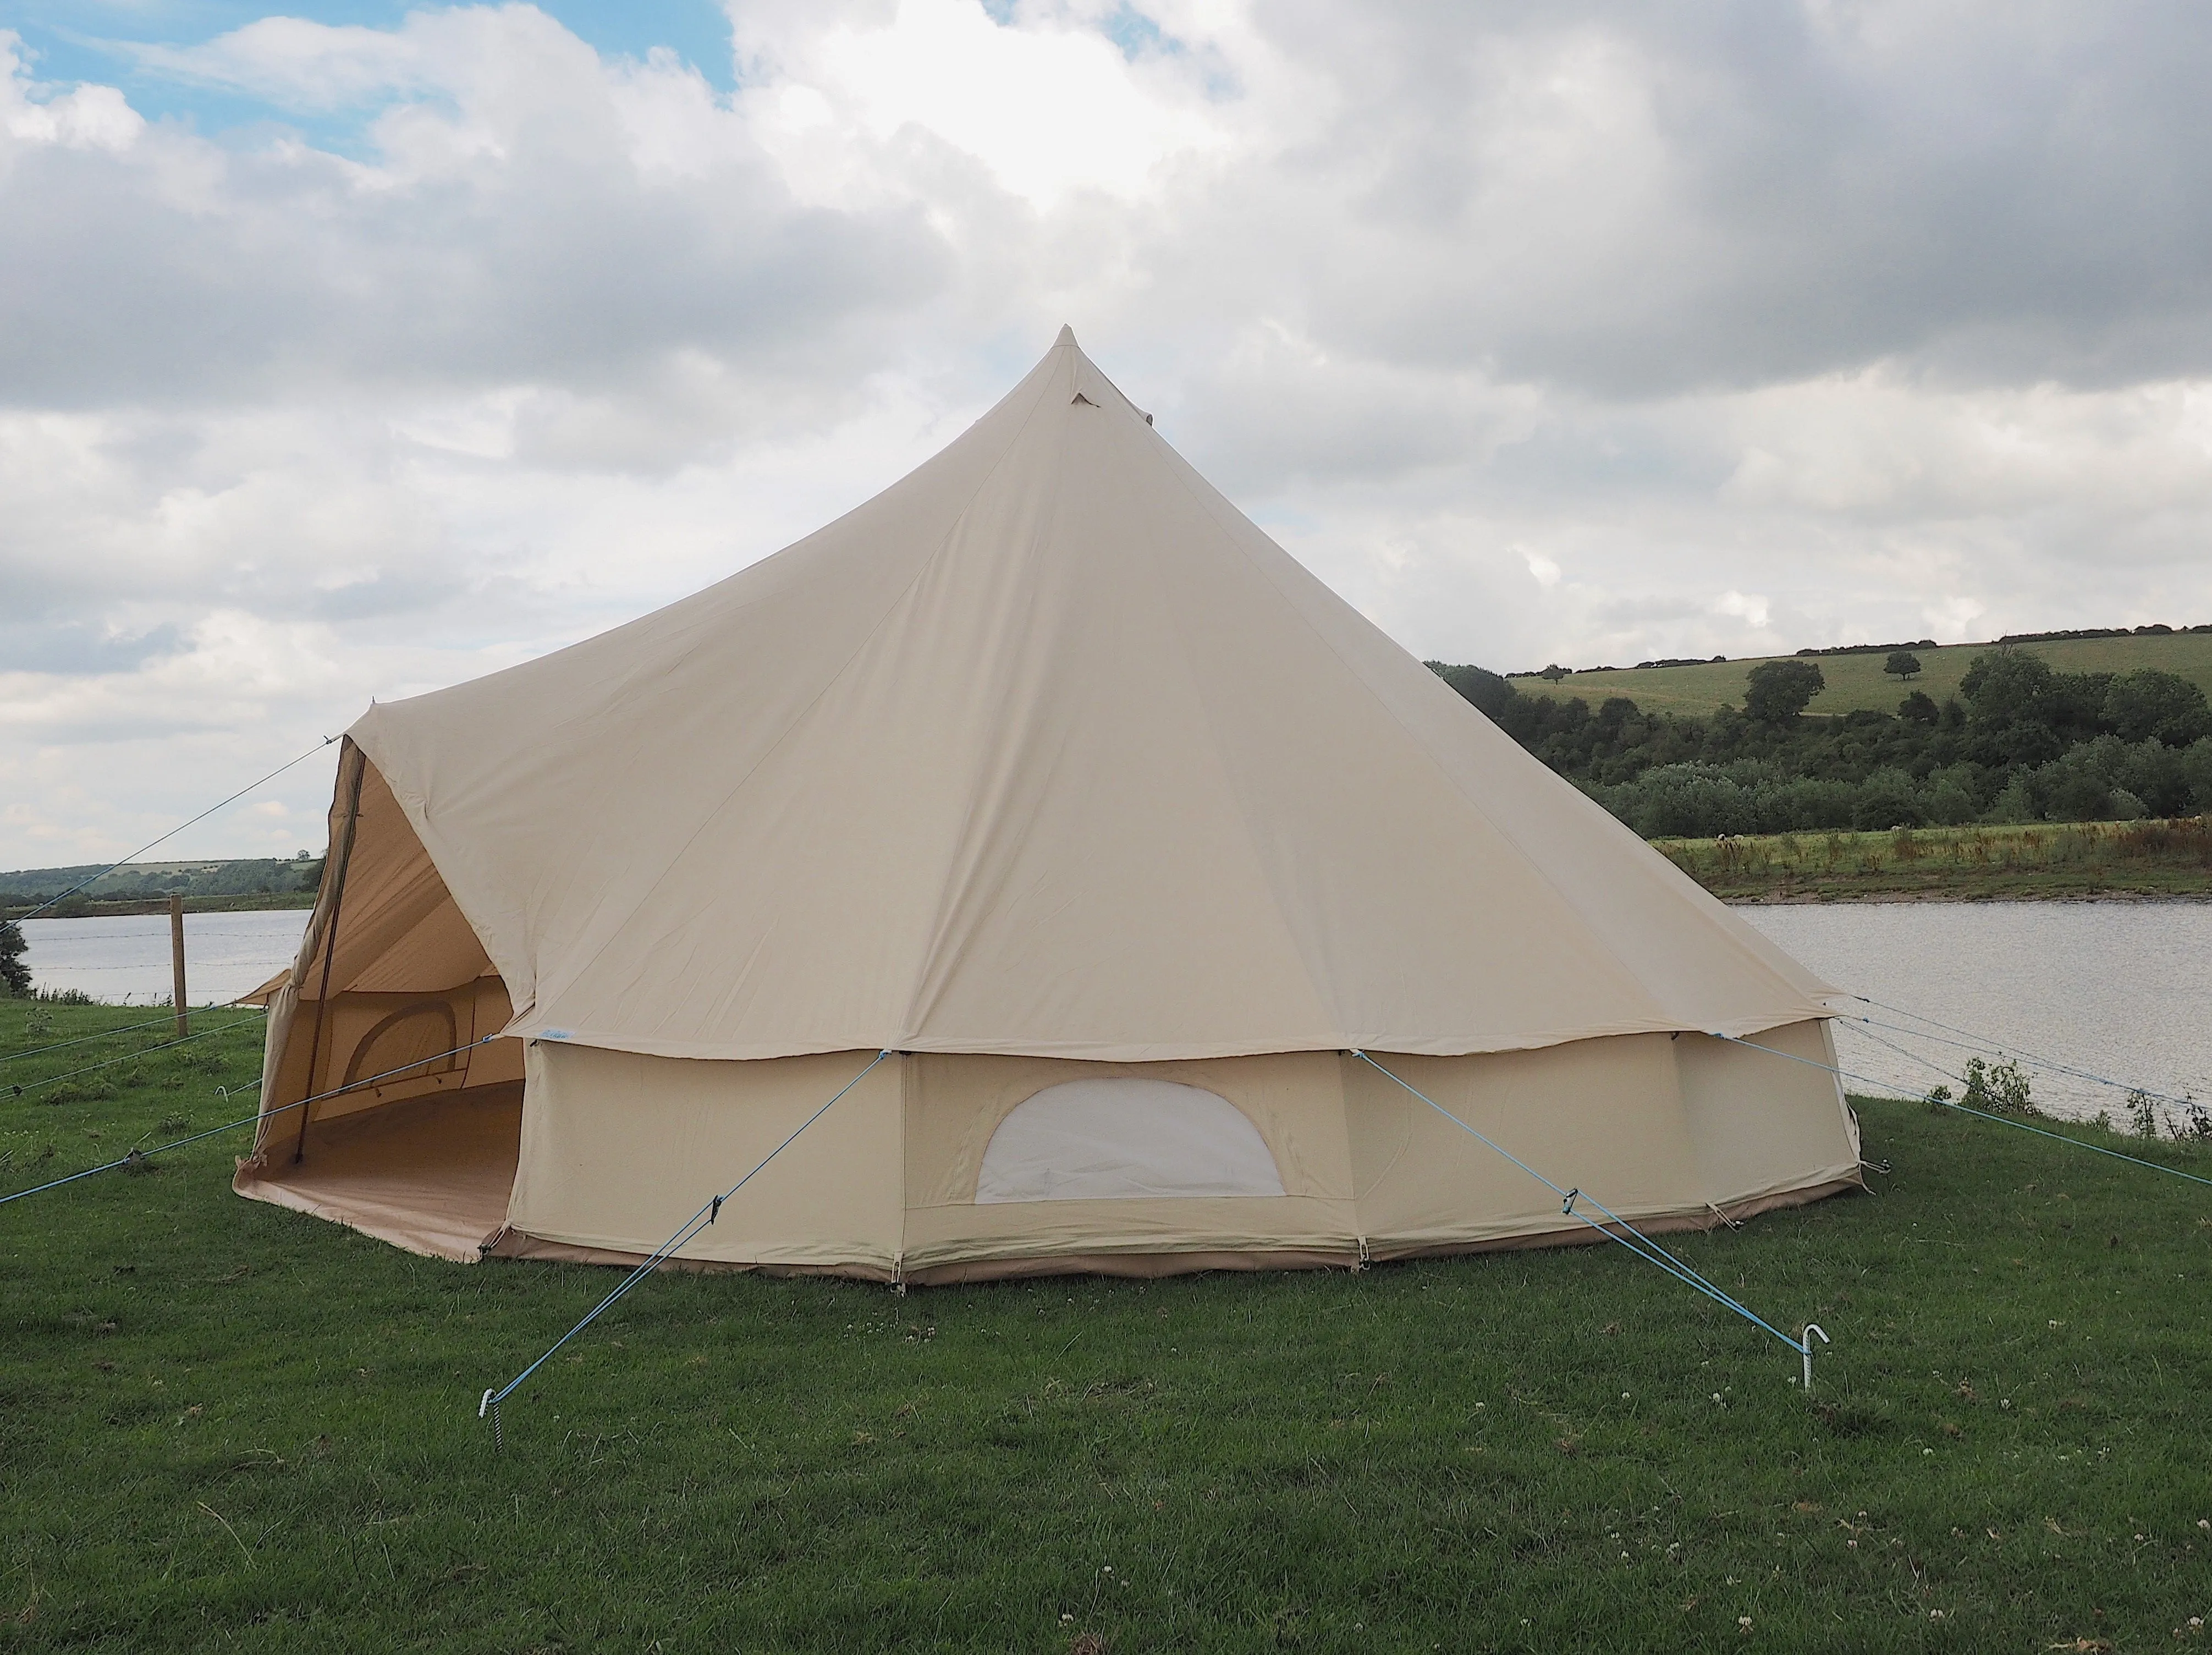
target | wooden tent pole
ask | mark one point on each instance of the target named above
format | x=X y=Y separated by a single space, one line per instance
x=330 y=943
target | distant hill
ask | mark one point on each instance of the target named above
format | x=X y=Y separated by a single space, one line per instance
x=289 y=882
x=1855 y=678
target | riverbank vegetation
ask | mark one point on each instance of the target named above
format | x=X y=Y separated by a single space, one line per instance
x=223 y=1423
x=2041 y=860
x=2021 y=742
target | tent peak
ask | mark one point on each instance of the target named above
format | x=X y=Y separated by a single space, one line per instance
x=1066 y=336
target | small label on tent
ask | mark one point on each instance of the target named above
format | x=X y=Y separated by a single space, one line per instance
x=556 y=1034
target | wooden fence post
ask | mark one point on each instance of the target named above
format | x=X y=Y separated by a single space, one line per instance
x=177 y=961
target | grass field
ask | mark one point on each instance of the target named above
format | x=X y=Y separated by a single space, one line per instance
x=1857 y=681
x=2042 y=860
x=223 y=1425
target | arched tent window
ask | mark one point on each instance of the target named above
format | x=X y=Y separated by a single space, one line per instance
x=417 y=1041
x=1122 y=1138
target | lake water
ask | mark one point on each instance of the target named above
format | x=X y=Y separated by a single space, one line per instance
x=2121 y=988
x=125 y=958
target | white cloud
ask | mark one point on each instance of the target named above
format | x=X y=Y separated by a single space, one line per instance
x=1047 y=109
x=84 y=117
x=1546 y=572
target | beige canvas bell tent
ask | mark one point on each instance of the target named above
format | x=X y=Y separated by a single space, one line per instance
x=1048 y=772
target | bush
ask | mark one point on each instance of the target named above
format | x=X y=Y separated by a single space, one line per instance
x=1887 y=799
x=1802 y=805
x=1689 y=801
x=2142 y=1113
x=2014 y=804
x=2077 y=795
x=14 y=976
x=1949 y=796
x=1997 y=1088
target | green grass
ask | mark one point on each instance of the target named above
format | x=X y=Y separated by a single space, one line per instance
x=1857 y=681
x=224 y=1425
x=2042 y=860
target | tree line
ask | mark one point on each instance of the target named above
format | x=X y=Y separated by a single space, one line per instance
x=2020 y=742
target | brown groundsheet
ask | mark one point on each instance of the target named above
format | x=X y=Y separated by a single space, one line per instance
x=432 y=1175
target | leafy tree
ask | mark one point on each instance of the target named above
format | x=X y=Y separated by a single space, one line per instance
x=2152 y=705
x=2197 y=774
x=1777 y=691
x=2019 y=712
x=1903 y=663
x=1918 y=708
x=1485 y=690
x=14 y=976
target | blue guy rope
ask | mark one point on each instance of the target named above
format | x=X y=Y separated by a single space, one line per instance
x=1620 y=1230
x=1884 y=1088
x=494 y=1395
x=1973 y=1043
x=138 y=1157
x=180 y=828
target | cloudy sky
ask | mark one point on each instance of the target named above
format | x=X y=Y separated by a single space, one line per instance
x=350 y=352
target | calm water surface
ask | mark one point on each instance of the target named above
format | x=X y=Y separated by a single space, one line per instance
x=2122 y=988
x=125 y=958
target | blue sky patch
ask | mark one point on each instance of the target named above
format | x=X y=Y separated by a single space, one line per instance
x=69 y=41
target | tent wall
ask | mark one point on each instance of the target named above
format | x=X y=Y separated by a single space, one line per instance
x=1751 y=1148
x=619 y=1149
x=1603 y=1114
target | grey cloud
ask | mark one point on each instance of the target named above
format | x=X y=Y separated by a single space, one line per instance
x=1996 y=192
x=382 y=594
x=179 y=270
x=76 y=647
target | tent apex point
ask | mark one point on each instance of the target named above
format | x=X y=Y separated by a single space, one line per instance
x=1066 y=336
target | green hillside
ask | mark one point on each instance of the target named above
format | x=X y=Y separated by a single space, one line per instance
x=143 y=887
x=1857 y=681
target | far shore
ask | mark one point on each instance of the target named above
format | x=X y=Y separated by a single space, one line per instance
x=2030 y=861
x=1803 y=899
x=79 y=907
